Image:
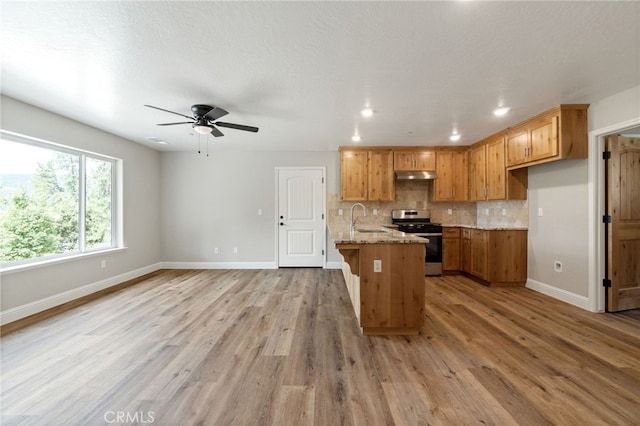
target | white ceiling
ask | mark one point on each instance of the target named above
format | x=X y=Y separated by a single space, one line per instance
x=301 y=71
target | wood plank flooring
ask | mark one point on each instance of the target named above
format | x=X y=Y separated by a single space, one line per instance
x=281 y=347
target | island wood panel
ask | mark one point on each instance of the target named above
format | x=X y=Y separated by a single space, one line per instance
x=394 y=297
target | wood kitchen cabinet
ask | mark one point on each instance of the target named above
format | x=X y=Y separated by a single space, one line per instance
x=450 y=250
x=555 y=134
x=495 y=257
x=452 y=183
x=465 y=250
x=414 y=160
x=366 y=175
x=488 y=177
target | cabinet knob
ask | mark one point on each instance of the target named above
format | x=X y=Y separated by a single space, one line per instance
x=281 y=224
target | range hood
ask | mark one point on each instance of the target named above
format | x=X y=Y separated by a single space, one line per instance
x=416 y=175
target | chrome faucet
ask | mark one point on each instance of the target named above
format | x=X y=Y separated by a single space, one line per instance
x=352 y=222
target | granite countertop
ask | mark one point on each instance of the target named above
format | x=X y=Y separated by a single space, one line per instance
x=488 y=227
x=341 y=235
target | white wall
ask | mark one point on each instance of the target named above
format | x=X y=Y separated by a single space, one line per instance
x=565 y=190
x=39 y=287
x=213 y=201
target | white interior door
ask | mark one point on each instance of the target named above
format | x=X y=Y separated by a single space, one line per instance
x=301 y=223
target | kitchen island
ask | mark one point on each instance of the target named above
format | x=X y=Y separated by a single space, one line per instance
x=384 y=273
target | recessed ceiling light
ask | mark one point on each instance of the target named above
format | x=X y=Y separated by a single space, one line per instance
x=499 y=112
x=156 y=140
x=455 y=137
x=356 y=138
x=367 y=112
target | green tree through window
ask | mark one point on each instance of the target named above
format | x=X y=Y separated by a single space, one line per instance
x=40 y=203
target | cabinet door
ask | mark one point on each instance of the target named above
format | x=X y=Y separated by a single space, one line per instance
x=443 y=185
x=353 y=175
x=466 y=254
x=403 y=160
x=461 y=176
x=381 y=179
x=479 y=253
x=477 y=173
x=543 y=136
x=425 y=160
x=450 y=254
x=496 y=172
x=517 y=147
x=452 y=183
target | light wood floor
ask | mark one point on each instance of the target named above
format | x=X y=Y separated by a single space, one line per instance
x=281 y=347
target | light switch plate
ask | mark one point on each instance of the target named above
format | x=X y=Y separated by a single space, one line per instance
x=377 y=265
x=539 y=211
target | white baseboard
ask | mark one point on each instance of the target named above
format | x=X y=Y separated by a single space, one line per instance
x=219 y=265
x=34 y=307
x=333 y=265
x=560 y=294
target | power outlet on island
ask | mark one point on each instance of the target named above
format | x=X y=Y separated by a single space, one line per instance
x=377 y=265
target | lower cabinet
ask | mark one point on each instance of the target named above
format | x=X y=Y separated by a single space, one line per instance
x=494 y=257
x=450 y=250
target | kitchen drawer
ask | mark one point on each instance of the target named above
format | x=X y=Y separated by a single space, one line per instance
x=466 y=233
x=450 y=232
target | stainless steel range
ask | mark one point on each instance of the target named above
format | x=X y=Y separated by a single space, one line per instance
x=418 y=222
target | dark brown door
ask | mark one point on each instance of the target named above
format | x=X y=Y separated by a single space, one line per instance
x=623 y=233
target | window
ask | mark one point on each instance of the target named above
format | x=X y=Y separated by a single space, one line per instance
x=54 y=201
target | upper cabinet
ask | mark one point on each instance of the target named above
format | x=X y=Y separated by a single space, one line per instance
x=414 y=160
x=488 y=177
x=366 y=175
x=452 y=183
x=556 y=134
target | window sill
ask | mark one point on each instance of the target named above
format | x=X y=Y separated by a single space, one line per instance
x=50 y=262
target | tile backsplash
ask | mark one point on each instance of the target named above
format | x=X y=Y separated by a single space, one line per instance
x=415 y=195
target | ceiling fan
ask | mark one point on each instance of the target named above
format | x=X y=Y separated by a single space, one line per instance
x=204 y=120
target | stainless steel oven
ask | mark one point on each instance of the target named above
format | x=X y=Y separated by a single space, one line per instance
x=418 y=222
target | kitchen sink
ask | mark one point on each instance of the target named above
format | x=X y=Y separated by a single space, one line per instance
x=374 y=230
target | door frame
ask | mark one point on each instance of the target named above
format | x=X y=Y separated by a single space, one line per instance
x=597 y=193
x=277 y=205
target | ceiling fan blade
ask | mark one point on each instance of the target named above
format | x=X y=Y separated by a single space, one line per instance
x=171 y=124
x=236 y=126
x=172 y=112
x=215 y=132
x=215 y=113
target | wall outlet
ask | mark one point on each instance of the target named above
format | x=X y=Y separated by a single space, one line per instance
x=259 y=212
x=504 y=212
x=486 y=212
x=216 y=251
x=375 y=212
x=557 y=266
x=449 y=212
x=377 y=265
x=340 y=212
x=539 y=211
x=235 y=250
x=103 y=264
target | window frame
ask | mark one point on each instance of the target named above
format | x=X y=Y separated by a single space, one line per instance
x=117 y=240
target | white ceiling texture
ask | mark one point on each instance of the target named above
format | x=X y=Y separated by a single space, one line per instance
x=302 y=71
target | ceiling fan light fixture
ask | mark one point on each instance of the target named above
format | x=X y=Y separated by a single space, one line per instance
x=203 y=130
